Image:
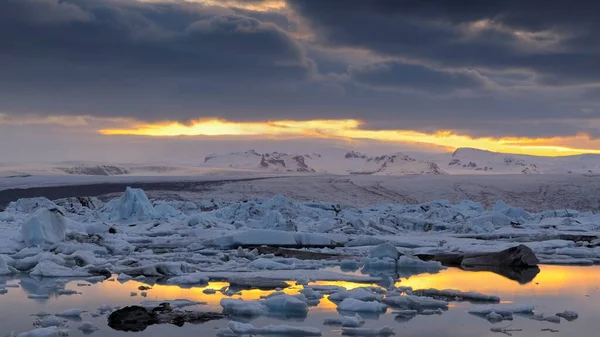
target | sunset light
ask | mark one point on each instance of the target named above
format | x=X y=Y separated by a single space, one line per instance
x=352 y=129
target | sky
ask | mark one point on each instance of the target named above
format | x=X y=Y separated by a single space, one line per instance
x=121 y=79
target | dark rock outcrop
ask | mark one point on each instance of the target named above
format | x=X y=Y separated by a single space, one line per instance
x=135 y=318
x=519 y=256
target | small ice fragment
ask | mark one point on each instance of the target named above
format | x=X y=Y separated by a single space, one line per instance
x=71 y=313
x=38 y=296
x=87 y=327
x=123 y=278
x=383 y=331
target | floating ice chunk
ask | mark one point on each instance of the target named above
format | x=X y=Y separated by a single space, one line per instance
x=415 y=263
x=49 y=321
x=45 y=332
x=383 y=331
x=577 y=252
x=269 y=264
x=349 y=265
x=431 y=312
x=30 y=262
x=31 y=204
x=50 y=269
x=5 y=269
x=44 y=226
x=71 y=313
x=124 y=278
x=452 y=294
x=240 y=307
x=311 y=294
x=161 y=269
x=385 y=250
x=551 y=319
x=358 y=293
x=365 y=240
x=67 y=292
x=179 y=303
x=38 y=296
x=502 y=309
x=354 y=305
x=495 y=317
x=286 y=304
x=346 y=321
x=506 y=331
x=196 y=278
x=415 y=302
x=87 y=327
x=311 y=239
x=568 y=315
x=280 y=330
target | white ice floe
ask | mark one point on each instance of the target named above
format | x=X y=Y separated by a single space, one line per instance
x=354 y=305
x=346 y=321
x=76 y=313
x=502 y=309
x=190 y=279
x=279 y=330
x=282 y=304
x=48 y=268
x=179 y=303
x=87 y=327
x=45 y=332
x=383 y=331
x=415 y=302
x=50 y=321
x=124 y=277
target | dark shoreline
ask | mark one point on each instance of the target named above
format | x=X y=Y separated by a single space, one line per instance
x=99 y=189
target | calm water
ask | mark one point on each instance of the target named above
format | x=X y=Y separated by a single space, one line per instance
x=555 y=289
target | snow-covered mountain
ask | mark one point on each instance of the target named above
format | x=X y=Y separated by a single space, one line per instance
x=471 y=161
x=350 y=163
x=252 y=160
x=394 y=164
x=95 y=170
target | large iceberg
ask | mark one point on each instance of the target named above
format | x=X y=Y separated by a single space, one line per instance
x=44 y=226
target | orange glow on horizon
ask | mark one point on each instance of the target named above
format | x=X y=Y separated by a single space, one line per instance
x=351 y=129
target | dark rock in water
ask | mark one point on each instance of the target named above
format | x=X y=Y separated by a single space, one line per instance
x=517 y=263
x=133 y=318
x=136 y=318
x=519 y=256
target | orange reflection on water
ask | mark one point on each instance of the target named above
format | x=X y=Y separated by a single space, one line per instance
x=551 y=280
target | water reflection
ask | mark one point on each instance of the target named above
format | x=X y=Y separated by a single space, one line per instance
x=554 y=289
x=551 y=280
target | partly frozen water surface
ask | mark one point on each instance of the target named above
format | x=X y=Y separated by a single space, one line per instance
x=555 y=289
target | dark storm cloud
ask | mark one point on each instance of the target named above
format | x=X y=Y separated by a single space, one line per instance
x=183 y=60
x=558 y=39
x=397 y=75
x=83 y=46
